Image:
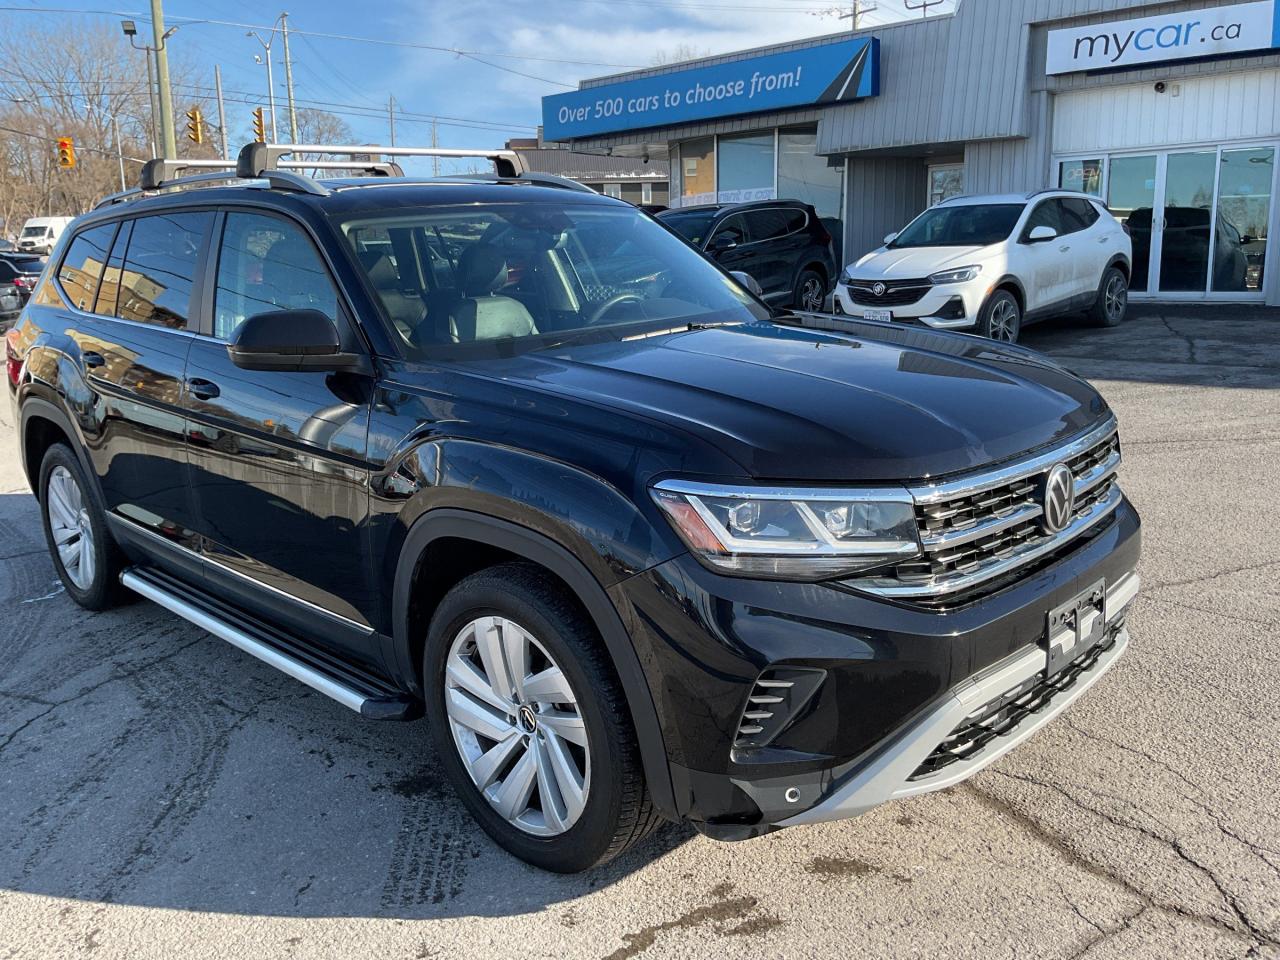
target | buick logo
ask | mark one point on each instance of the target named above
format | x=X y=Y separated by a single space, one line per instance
x=1059 y=499
x=878 y=289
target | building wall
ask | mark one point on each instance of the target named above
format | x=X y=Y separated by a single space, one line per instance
x=881 y=196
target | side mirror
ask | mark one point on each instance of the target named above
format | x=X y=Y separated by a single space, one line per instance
x=1042 y=235
x=721 y=243
x=889 y=238
x=291 y=340
x=748 y=281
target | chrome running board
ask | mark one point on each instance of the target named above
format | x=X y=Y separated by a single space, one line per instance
x=365 y=695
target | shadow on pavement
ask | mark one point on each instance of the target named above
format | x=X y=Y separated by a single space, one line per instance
x=144 y=762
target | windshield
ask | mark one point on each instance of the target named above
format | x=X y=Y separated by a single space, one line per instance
x=964 y=225
x=34 y=231
x=533 y=272
x=692 y=225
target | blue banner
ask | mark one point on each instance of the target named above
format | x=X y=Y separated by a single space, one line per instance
x=849 y=70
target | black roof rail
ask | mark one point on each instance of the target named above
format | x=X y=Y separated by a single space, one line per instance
x=531 y=176
x=258 y=158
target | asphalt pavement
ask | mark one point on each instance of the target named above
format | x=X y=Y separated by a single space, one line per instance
x=163 y=795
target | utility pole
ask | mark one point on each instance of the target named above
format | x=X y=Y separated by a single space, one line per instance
x=922 y=5
x=391 y=116
x=162 y=79
x=288 y=79
x=222 y=111
x=860 y=9
x=155 y=108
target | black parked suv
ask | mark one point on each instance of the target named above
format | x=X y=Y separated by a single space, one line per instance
x=781 y=244
x=516 y=456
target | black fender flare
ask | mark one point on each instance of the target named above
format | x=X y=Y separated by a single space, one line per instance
x=1008 y=280
x=31 y=408
x=1118 y=260
x=518 y=540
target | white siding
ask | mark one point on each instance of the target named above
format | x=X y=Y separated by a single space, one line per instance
x=1236 y=106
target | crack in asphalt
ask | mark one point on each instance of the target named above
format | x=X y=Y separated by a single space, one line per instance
x=86 y=691
x=1107 y=933
x=1244 y=926
x=1209 y=577
x=1185 y=338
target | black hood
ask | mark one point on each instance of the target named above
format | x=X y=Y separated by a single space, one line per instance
x=807 y=405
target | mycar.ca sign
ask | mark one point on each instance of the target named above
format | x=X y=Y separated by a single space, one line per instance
x=848 y=70
x=1236 y=28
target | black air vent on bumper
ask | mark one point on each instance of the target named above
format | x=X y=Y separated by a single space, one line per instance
x=777 y=696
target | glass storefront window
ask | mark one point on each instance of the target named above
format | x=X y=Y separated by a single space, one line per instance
x=697 y=172
x=1131 y=198
x=805 y=176
x=945 y=181
x=1244 y=214
x=1082 y=175
x=1188 y=209
x=745 y=168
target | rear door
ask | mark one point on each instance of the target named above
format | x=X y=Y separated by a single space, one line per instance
x=129 y=314
x=774 y=248
x=278 y=470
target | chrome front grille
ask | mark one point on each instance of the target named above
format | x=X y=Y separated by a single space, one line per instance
x=984 y=526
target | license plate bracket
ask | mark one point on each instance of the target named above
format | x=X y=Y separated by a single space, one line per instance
x=885 y=316
x=1076 y=627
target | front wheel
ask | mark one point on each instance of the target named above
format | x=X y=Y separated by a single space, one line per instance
x=1113 y=300
x=1001 y=318
x=811 y=291
x=530 y=721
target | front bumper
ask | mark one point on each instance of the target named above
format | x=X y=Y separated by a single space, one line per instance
x=937 y=308
x=897 y=679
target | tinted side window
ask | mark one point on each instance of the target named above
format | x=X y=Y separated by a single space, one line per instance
x=733 y=228
x=109 y=288
x=768 y=224
x=81 y=268
x=266 y=264
x=161 y=262
x=1079 y=211
x=1048 y=214
x=796 y=220
x=7 y=273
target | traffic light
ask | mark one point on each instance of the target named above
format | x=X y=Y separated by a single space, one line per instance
x=195 y=125
x=66 y=153
x=259 y=126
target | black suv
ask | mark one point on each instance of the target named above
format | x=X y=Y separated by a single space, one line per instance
x=516 y=456
x=781 y=244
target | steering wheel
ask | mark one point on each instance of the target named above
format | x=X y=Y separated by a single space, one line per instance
x=601 y=311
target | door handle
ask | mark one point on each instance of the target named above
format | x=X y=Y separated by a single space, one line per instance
x=203 y=389
x=93 y=359
x=1065 y=248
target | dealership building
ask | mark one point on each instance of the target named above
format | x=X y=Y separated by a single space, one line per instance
x=1169 y=112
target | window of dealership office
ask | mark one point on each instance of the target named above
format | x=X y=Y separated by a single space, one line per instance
x=1199 y=217
x=760 y=165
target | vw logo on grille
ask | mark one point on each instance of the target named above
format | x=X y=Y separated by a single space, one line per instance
x=878 y=289
x=1059 y=499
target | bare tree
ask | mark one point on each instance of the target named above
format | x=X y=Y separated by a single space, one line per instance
x=73 y=83
x=679 y=54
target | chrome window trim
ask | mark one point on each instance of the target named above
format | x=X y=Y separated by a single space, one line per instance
x=980 y=482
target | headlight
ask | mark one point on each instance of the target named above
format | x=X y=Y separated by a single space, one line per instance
x=791 y=534
x=960 y=275
x=847 y=276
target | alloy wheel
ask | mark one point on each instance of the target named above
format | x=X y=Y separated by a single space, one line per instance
x=72 y=530
x=1117 y=298
x=1004 y=321
x=517 y=725
x=811 y=295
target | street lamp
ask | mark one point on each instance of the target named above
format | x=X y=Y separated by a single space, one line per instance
x=271 y=90
x=130 y=30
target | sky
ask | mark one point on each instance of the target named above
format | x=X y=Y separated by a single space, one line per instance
x=512 y=53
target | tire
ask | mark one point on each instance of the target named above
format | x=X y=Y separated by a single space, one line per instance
x=535 y=614
x=1001 y=318
x=810 y=291
x=89 y=561
x=1112 y=305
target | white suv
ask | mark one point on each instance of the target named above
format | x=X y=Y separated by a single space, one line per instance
x=991 y=264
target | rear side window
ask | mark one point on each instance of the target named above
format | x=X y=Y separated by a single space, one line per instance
x=267 y=264
x=82 y=266
x=1079 y=214
x=160 y=266
x=769 y=224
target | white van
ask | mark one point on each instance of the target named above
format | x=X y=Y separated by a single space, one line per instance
x=39 y=234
